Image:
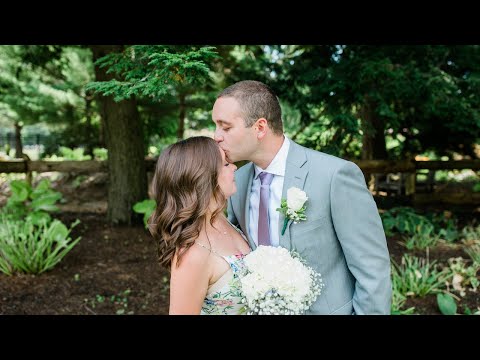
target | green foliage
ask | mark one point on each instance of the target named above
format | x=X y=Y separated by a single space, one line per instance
x=399 y=299
x=471 y=234
x=446 y=304
x=145 y=207
x=423 y=238
x=476 y=187
x=67 y=154
x=29 y=247
x=156 y=150
x=31 y=204
x=73 y=154
x=100 y=153
x=455 y=176
x=119 y=300
x=463 y=276
x=471 y=238
x=44 y=83
x=417 y=276
x=405 y=221
x=449 y=230
x=152 y=70
x=76 y=133
x=445 y=225
x=422 y=230
x=322 y=136
x=426 y=94
x=468 y=311
x=474 y=252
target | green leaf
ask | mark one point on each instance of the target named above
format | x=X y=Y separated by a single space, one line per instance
x=446 y=304
x=145 y=206
x=49 y=208
x=42 y=188
x=43 y=185
x=45 y=202
x=37 y=218
x=20 y=190
x=58 y=231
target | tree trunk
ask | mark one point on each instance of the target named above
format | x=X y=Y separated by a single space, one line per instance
x=125 y=144
x=181 y=118
x=373 y=143
x=88 y=124
x=18 y=141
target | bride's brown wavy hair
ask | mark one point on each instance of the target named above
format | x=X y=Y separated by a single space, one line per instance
x=185 y=181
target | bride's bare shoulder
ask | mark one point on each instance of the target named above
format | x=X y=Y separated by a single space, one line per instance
x=195 y=257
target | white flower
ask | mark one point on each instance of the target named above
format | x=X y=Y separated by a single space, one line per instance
x=278 y=282
x=296 y=198
x=294 y=207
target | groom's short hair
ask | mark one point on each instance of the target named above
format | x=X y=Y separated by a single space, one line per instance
x=257 y=100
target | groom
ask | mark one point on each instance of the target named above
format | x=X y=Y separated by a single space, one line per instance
x=342 y=238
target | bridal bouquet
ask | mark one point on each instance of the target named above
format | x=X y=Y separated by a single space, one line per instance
x=278 y=282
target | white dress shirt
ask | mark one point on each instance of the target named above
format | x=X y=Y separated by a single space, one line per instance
x=277 y=168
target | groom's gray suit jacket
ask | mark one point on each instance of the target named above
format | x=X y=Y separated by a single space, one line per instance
x=343 y=236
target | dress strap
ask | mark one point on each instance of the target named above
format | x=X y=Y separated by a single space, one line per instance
x=239 y=231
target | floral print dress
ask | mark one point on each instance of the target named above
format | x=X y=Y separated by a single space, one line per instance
x=224 y=297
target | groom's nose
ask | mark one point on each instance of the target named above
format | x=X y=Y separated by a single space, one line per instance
x=217 y=137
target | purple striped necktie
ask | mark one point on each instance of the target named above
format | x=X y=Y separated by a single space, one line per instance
x=263 y=227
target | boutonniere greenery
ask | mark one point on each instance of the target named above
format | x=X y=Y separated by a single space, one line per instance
x=293 y=208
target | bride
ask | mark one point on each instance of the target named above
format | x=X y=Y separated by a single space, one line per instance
x=202 y=249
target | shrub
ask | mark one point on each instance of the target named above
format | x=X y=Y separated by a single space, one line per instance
x=145 y=207
x=31 y=248
x=32 y=204
x=418 y=277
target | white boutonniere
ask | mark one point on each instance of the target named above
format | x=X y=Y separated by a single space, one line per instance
x=293 y=208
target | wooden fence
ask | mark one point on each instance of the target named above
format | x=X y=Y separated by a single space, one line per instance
x=80 y=167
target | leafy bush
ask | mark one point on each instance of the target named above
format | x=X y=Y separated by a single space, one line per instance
x=100 y=153
x=31 y=248
x=426 y=229
x=399 y=299
x=418 y=277
x=423 y=238
x=463 y=276
x=445 y=225
x=474 y=252
x=32 y=204
x=145 y=207
x=471 y=235
x=66 y=153
x=403 y=220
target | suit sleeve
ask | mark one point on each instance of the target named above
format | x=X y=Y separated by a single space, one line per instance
x=360 y=232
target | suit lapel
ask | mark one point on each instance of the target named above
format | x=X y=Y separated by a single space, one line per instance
x=295 y=175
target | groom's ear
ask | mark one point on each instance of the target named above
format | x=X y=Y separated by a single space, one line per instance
x=261 y=127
